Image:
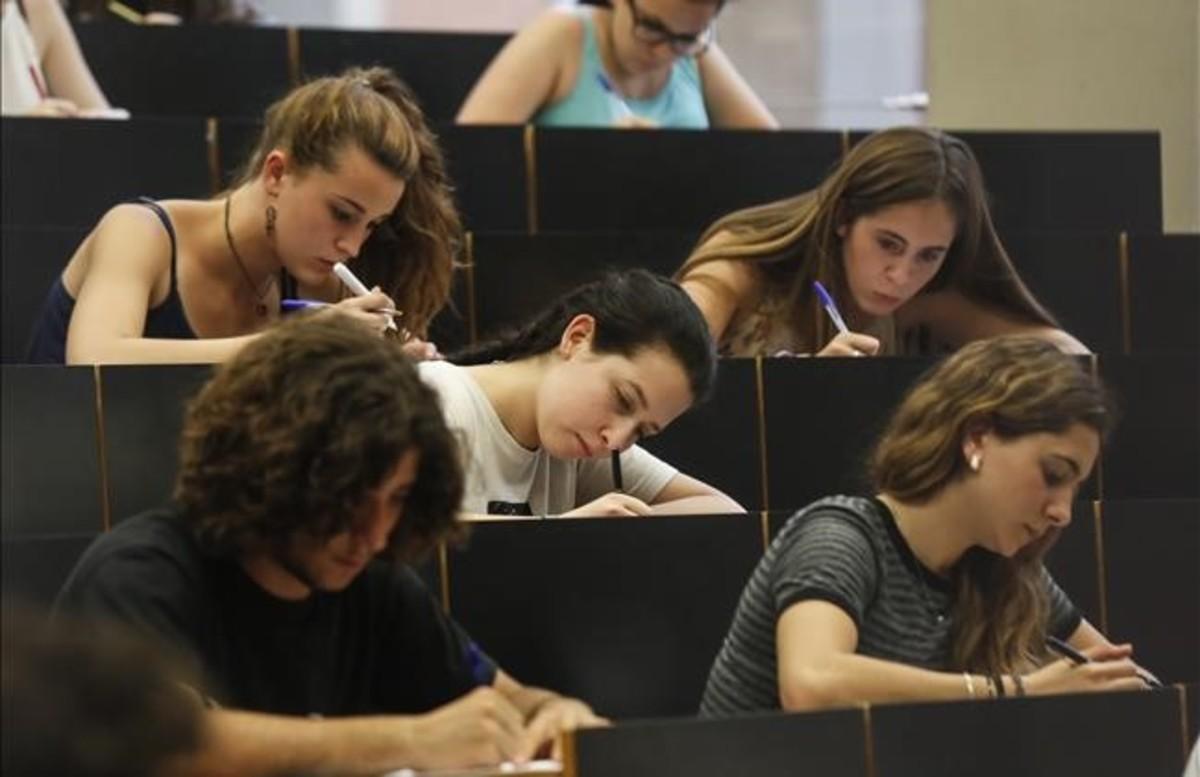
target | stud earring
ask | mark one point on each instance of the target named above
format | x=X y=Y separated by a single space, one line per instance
x=271 y=215
x=975 y=461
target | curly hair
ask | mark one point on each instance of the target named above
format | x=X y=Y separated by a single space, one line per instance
x=413 y=255
x=293 y=433
x=1014 y=385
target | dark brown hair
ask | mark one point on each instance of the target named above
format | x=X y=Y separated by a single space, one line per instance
x=795 y=241
x=292 y=434
x=413 y=254
x=1013 y=386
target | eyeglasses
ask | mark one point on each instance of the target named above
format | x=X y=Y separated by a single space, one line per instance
x=650 y=30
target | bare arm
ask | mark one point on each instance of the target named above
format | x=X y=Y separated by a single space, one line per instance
x=730 y=101
x=480 y=728
x=525 y=74
x=685 y=495
x=818 y=668
x=130 y=253
x=62 y=61
x=957 y=320
x=720 y=287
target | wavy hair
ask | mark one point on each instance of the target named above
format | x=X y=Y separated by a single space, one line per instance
x=634 y=309
x=794 y=241
x=1013 y=386
x=293 y=433
x=412 y=255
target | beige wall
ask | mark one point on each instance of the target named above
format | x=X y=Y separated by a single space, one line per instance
x=1075 y=64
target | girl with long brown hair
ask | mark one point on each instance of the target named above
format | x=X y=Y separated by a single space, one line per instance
x=934 y=588
x=346 y=170
x=899 y=233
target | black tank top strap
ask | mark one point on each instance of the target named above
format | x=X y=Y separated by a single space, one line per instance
x=287 y=285
x=161 y=212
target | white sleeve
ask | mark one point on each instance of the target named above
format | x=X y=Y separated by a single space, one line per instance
x=643 y=474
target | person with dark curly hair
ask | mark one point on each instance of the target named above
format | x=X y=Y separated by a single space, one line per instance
x=313 y=451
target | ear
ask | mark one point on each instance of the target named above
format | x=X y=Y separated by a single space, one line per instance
x=577 y=336
x=274 y=167
x=974 y=438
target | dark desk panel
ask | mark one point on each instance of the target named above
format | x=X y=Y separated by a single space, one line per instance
x=1155 y=450
x=596 y=179
x=1101 y=735
x=1062 y=181
x=829 y=744
x=822 y=418
x=487 y=166
x=441 y=67
x=1164 y=293
x=626 y=614
x=517 y=275
x=33 y=569
x=51 y=471
x=188 y=70
x=143 y=416
x=68 y=173
x=1077 y=278
x=31 y=259
x=1072 y=561
x=718 y=442
x=1151 y=548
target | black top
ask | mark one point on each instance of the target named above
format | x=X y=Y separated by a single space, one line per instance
x=48 y=344
x=381 y=645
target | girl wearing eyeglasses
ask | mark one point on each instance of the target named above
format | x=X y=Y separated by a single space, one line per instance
x=631 y=63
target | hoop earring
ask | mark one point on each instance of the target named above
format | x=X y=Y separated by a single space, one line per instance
x=271 y=215
x=974 y=462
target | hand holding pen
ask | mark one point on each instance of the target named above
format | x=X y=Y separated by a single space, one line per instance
x=414 y=347
x=845 y=343
x=1098 y=668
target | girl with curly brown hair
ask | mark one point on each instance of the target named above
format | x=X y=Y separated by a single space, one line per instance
x=934 y=588
x=346 y=170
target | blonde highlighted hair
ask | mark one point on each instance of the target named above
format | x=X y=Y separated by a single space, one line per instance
x=1012 y=386
x=794 y=241
x=412 y=256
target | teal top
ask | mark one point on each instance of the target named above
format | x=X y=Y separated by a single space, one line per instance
x=679 y=104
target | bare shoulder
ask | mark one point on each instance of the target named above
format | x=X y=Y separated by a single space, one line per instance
x=739 y=276
x=557 y=29
x=130 y=235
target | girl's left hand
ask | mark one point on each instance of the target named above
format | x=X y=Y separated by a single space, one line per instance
x=421 y=350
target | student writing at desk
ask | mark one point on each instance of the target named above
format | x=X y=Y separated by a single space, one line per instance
x=900 y=235
x=311 y=453
x=541 y=409
x=934 y=588
x=346 y=170
x=631 y=63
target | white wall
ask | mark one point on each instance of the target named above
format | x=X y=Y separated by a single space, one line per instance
x=1075 y=64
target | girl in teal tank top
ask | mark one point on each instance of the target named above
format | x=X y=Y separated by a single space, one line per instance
x=639 y=63
x=679 y=104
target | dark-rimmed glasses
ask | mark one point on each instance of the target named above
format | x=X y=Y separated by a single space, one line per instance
x=652 y=31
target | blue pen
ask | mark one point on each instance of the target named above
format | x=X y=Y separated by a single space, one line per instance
x=476 y=663
x=830 y=308
x=606 y=85
x=292 y=305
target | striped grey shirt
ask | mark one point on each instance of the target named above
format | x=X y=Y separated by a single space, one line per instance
x=846 y=551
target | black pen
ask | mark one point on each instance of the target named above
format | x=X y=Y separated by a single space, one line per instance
x=616 y=471
x=1077 y=658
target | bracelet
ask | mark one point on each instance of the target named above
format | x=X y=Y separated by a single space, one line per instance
x=1018 y=685
x=970 y=681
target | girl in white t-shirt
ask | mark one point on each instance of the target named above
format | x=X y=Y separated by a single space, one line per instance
x=539 y=412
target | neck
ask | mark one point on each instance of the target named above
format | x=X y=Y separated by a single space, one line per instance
x=274 y=578
x=247 y=231
x=937 y=531
x=512 y=388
